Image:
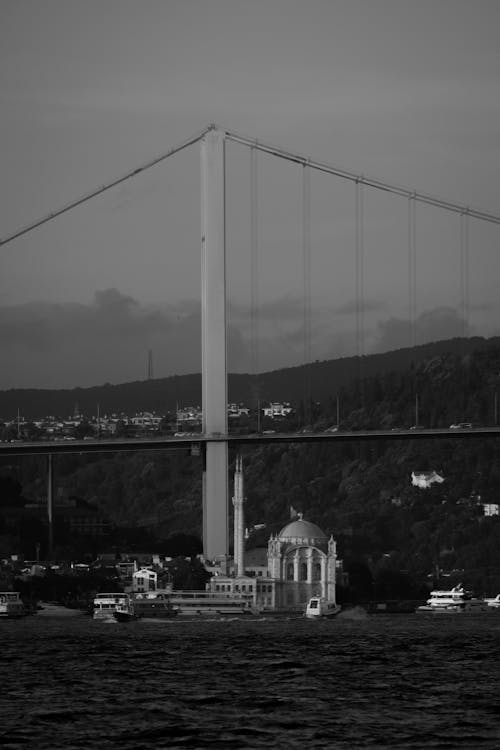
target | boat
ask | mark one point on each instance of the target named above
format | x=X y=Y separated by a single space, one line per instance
x=153 y=605
x=104 y=605
x=319 y=606
x=166 y=604
x=493 y=603
x=125 y=613
x=455 y=600
x=192 y=604
x=11 y=604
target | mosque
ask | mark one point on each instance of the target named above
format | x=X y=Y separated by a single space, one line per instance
x=301 y=563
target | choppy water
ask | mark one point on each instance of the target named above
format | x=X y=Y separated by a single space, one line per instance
x=382 y=681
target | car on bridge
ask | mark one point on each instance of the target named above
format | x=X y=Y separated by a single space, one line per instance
x=461 y=426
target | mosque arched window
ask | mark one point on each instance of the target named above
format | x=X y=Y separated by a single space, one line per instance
x=303 y=571
x=317 y=571
x=289 y=571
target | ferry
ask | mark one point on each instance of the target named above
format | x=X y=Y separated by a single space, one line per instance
x=210 y=603
x=163 y=605
x=318 y=606
x=11 y=604
x=454 y=600
x=104 y=605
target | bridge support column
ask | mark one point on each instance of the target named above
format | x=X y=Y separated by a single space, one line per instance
x=213 y=334
x=50 y=506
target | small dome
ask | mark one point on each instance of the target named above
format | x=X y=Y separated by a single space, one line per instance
x=301 y=530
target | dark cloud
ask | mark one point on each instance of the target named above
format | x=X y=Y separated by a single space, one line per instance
x=67 y=345
x=350 y=308
x=431 y=325
x=59 y=345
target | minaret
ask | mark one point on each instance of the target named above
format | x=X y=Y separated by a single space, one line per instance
x=239 y=521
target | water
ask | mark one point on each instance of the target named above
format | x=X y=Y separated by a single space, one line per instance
x=382 y=681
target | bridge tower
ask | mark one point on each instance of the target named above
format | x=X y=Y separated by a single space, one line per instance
x=213 y=342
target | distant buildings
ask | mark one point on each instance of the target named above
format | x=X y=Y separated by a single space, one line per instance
x=277 y=410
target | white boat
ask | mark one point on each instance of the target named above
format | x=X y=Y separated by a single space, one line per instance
x=494 y=603
x=11 y=604
x=455 y=600
x=106 y=603
x=318 y=606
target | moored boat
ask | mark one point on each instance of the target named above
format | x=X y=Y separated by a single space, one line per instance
x=210 y=604
x=493 y=603
x=319 y=606
x=455 y=600
x=164 y=605
x=11 y=604
x=105 y=604
x=125 y=613
x=153 y=605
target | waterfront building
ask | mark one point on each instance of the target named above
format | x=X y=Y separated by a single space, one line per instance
x=144 y=580
x=301 y=562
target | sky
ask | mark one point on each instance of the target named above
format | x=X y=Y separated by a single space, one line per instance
x=406 y=92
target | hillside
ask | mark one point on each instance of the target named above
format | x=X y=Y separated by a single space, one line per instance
x=318 y=380
x=359 y=492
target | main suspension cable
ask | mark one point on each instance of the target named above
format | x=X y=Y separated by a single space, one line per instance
x=368 y=181
x=102 y=189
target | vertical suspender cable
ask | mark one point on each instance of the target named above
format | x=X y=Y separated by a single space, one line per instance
x=359 y=241
x=254 y=262
x=412 y=272
x=464 y=272
x=412 y=295
x=254 y=275
x=359 y=275
x=464 y=293
x=306 y=261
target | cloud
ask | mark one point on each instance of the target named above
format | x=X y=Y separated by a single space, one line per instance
x=65 y=345
x=431 y=325
x=351 y=307
x=49 y=345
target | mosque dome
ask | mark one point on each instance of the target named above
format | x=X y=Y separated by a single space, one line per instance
x=300 y=531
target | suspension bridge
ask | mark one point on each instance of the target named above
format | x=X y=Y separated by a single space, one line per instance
x=214 y=440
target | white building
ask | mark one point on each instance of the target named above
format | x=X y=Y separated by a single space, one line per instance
x=144 y=579
x=491 y=509
x=276 y=409
x=425 y=479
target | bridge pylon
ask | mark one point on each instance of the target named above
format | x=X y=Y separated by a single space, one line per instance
x=214 y=349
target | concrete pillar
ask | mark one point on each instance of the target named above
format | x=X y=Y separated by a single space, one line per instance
x=296 y=566
x=213 y=335
x=50 y=506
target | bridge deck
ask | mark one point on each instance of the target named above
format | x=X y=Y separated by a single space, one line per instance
x=195 y=441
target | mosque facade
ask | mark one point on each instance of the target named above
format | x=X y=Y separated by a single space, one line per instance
x=301 y=562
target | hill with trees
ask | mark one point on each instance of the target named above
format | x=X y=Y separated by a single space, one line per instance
x=317 y=380
x=393 y=536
